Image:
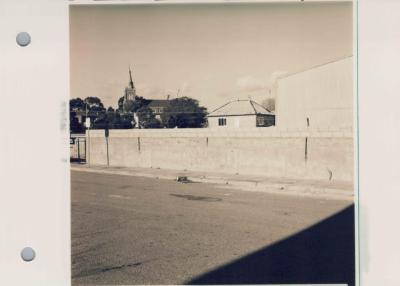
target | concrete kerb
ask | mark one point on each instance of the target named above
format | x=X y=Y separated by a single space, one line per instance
x=265 y=186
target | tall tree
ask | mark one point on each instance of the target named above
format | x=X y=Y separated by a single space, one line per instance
x=184 y=112
x=76 y=104
x=147 y=119
x=94 y=107
x=91 y=107
x=112 y=119
x=74 y=125
x=134 y=105
x=126 y=121
x=94 y=102
x=121 y=104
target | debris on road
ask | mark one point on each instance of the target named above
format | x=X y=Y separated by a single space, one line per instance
x=183 y=179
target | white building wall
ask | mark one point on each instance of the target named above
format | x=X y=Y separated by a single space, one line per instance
x=233 y=122
x=323 y=94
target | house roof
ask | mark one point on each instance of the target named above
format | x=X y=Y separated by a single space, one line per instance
x=159 y=103
x=240 y=107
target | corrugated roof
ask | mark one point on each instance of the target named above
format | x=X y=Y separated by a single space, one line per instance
x=240 y=107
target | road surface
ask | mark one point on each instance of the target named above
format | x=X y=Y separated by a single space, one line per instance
x=133 y=230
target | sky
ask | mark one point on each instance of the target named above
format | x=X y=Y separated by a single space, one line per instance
x=211 y=52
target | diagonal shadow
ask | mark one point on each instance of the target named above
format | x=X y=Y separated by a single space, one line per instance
x=322 y=253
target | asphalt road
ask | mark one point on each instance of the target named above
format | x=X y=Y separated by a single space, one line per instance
x=132 y=230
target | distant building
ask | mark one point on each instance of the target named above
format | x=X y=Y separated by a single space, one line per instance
x=319 y=98
x=241 y=114
x=158 y=106
x=130 y=90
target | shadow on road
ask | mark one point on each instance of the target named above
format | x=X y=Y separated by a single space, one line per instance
x=322 y=253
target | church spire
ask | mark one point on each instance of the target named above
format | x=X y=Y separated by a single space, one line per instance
x=130 y=91
x=130 y=78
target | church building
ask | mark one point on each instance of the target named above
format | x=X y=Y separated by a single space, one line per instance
x=130 y=90
x=158 y=106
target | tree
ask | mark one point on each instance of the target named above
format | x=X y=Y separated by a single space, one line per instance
x=74 y=125
x=91 y=107
x=94 y=106
x=128 y=106
x=184 y=112
x=147 y=118
x=133 y=105
x=76 y=104
x=126 y=121
x=269 y=104
x=94 y=102
x=121 y=104
x=112 y=119
x=99 y=116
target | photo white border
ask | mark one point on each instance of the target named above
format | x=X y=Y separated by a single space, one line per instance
x=34 y=145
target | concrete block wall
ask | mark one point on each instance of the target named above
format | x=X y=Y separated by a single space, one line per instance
x=258 y=151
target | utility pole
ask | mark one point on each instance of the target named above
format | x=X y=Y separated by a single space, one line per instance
x=87 y=125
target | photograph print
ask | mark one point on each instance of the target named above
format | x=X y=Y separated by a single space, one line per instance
x=212 y=143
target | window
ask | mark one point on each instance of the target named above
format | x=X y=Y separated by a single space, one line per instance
x=265 y=120
x=260 y=121
x=221 y=121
